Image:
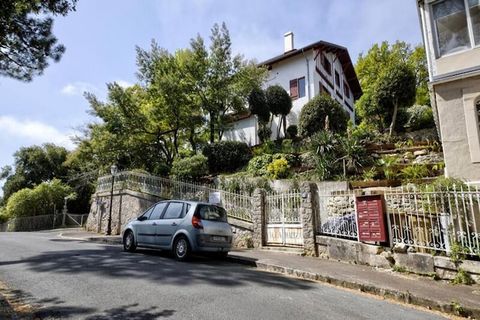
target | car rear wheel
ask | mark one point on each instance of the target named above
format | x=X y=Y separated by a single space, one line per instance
x=181 y=248
x=129 y=242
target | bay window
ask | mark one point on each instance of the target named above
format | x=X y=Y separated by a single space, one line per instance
x=456 y=25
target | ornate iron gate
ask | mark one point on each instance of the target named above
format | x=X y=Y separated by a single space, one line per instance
x=283 y=222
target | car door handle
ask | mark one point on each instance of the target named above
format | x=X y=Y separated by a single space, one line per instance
x=174 y=224
x=154 y=224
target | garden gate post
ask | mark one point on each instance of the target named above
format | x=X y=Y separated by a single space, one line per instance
x=258 y=217
x=308 y=209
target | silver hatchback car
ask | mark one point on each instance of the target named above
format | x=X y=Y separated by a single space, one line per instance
x=182 y=227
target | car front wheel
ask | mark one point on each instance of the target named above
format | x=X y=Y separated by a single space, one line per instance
x=181 y=248
x=129 y=242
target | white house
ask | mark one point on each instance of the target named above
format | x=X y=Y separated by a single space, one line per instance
x=304 y=73
x=451 y=34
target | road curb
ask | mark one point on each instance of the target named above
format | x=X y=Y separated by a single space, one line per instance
x=454 y=307
x=115 y=241
x=104 y=240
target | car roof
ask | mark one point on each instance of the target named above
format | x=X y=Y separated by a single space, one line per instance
x=189 y=202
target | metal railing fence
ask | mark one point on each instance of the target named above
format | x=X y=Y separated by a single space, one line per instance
x=239 y=206
x=435 y=219
x=336 y=215
x=283 y=207
x=44 y=222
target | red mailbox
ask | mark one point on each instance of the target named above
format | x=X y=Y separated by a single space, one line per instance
x=370 y=218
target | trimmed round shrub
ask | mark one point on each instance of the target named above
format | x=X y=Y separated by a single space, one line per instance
x=314 y=113
x=278 y=100
x=292 y=131
x=189 y=168
x=226 y=156
x=257 y=104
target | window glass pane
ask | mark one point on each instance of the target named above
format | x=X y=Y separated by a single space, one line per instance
x=294 y=88
x=451 y=25
x=475 y=19
x=157 y=211
x=148 y=212
x=174 y=210
x=326 y=65
x=212 y=213
x=186 y=208
x=301 y=87
x=346 y=90
x=337 y=79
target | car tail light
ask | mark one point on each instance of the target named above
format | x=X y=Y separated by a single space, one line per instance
x=197 y=222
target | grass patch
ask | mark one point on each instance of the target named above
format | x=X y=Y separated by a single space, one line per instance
x=463 y=277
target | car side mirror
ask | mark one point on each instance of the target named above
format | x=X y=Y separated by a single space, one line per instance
x=142 y=218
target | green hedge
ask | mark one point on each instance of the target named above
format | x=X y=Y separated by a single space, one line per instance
x=40 y=200
x=190 y=168
x=227 y=156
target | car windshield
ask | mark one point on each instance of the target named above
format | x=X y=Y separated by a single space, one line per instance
x=212 y=213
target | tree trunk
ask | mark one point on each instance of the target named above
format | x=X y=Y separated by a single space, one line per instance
x=394 y=119
x=212 y=127
x=284 y=125
x=191 y=139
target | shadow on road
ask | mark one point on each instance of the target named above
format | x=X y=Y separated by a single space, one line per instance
x=125 y=312
x=112 y=262
x=24 y=306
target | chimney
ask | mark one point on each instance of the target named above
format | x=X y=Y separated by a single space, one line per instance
x=288 y=42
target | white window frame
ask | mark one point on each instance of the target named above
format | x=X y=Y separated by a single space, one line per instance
x=435 y=33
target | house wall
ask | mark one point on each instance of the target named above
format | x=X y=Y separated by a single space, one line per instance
x=448 y=64
x=454 y=94
x=280 y=74
x=244 y=130
x=328 y=81
x=460 y=134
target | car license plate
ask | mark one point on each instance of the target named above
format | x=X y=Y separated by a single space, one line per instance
x=216 y=238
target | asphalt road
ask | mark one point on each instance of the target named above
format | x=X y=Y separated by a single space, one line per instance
x=70 y=279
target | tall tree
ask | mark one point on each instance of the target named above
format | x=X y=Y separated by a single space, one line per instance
x=169 y=88
x=395 y=88
x=34 y=165
x=379 y=59
x=221 y=80
x=26 y=39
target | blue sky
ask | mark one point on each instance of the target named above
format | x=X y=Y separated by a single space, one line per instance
x=101 y=36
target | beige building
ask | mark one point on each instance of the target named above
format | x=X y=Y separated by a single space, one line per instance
x=451 y=34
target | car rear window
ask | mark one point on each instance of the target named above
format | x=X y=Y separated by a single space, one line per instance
x=212 y=213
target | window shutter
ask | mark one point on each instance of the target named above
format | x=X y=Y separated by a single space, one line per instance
x=293 y=88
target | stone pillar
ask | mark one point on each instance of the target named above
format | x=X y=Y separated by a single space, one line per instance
x=258 y=217
x=308 y=210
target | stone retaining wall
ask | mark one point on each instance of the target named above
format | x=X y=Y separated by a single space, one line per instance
x=126 y=206
x=377 y=256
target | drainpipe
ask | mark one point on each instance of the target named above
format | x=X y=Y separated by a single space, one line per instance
x=308 y=74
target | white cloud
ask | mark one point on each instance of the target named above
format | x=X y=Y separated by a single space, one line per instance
x=33 y=132
x=124 y=84
x=78 y=88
